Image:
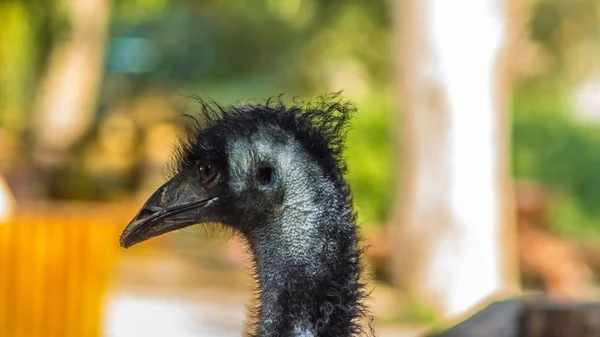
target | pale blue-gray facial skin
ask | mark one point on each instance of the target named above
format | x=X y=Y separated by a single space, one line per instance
x=294 y=203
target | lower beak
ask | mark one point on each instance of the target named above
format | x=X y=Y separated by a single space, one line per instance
x=169 y=208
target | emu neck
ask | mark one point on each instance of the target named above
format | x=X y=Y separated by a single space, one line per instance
x=308 y=269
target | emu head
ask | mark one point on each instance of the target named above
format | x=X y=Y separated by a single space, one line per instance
x=259 y=169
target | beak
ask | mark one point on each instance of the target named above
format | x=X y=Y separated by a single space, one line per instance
x=172 y=206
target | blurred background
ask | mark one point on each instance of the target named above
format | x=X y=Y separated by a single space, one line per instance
x=91 y=98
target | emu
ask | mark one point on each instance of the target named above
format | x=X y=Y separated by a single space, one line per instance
x=274 y=174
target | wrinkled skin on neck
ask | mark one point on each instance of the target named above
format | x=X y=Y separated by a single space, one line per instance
x=308 y=269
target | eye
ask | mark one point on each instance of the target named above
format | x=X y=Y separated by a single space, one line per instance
x=206 y=172
x=264 y=176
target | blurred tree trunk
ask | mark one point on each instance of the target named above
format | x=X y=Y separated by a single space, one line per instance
x=67 y=93
x=453 y=229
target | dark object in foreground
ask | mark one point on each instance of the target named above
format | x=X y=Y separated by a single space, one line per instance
x=531 y=317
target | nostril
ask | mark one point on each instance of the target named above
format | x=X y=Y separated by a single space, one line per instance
x=144 y=213
x=264 y=175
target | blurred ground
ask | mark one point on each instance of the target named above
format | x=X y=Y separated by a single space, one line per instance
x=177 y=294
x=192 y=282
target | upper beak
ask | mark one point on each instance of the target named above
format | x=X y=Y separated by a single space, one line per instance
x=165 y=211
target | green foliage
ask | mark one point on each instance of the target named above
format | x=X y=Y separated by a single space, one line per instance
x=241 y=49
x=571 y=220
x=412 y=311
x=568 y=31
x=291 y=42
x=370 y=160
x=548 y=145
x=552 y=148
x=28 y=31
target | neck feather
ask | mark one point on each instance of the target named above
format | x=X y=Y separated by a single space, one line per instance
x=308 y=267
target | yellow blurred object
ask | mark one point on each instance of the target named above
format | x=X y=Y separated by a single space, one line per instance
x=55 y=269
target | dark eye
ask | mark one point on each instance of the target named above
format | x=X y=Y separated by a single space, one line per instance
x=264 y=176
x=206 y=172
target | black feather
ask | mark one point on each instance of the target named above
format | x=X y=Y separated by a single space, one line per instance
x=319 y=125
